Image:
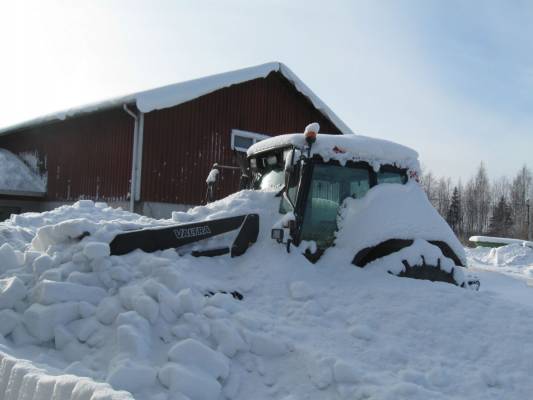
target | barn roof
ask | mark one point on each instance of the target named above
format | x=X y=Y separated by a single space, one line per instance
x=178 y=93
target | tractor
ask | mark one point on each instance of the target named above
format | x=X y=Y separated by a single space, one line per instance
x=350 y=190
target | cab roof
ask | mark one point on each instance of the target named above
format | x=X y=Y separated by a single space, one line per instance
x=344 y=148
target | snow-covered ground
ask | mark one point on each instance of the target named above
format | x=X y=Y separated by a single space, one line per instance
x=145 y=323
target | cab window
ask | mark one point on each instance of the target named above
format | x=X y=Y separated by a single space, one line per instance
x=390 y=174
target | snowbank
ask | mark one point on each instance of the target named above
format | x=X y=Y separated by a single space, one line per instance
x=21 y=380
x=391 y=211
x=15 y=175
x=166 y=326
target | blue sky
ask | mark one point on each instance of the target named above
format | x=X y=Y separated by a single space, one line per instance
x=452 y=79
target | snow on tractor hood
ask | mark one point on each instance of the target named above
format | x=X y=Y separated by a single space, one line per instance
x=345 y=148
x=392 y=211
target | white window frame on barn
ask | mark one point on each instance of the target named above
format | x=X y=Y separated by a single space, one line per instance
x=255 y=137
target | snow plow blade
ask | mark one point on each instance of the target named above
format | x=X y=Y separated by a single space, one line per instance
x=154 y=239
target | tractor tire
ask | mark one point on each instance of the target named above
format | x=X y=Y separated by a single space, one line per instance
x=434 y=273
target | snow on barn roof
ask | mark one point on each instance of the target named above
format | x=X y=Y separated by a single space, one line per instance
x=178 y=93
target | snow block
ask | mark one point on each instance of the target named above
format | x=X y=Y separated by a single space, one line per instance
x=187 y=301
x=19 y=370
x=131 y=342
x=12 y=290
x=83 y=390
x=41 y=320
x=227 y=337
x=108 y=310
x=51 y=292
x=266 y=346
x=191 y=352
x=6 y=365
x=147 y=307
x=29 y=385
x=64 y=386
x=96 y=250
x=194 y=384
x=42 y=263
x=45 y=387
x=8 y=258
x=131 y=376
x=9 y=319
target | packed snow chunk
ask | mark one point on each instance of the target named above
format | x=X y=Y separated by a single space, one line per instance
x=41 y=320
x=45 y=387
x=188 y=301
x=14 y=386
x=29 y=384
x=346 y=373
x=6 y=366
x=8 y=258
x=12 y=290
x=131 y=376
x=64 y=386
x=84 y=328
x=62 y=232
x=83 y=204
x=84 y=389
x=192 y=353
x=42 y=263
x=131 y=342
x=224 y=301
x=227 y=337
x=146 y=307
x=108 y=310
x=49 y=292
x=192 y=383
x=301 y=291
x=94 y=250
x=266 y=346
x=9 y=319
x=62 y=337
x=107 y=393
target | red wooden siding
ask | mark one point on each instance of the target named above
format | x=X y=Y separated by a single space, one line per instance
x=182 y=143
x=86 y=157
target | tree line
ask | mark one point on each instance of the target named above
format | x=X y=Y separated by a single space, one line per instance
x=498 y=207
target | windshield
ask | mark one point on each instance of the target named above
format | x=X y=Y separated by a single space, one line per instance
x=330 y=185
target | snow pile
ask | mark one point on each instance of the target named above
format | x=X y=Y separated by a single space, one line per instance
x=387 y=211
x=164 y=326
x=513 y=259
x=15 y=175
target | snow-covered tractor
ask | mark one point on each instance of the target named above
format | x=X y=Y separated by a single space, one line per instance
x=355 y=194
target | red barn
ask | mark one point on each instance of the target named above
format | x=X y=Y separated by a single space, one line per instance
x=160 y=144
